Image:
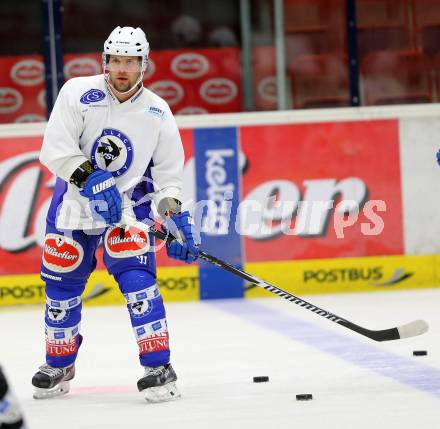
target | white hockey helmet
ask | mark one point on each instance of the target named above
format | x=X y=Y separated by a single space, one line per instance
x=127 y=41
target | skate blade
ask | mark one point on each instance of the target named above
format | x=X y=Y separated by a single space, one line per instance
x=165 y=393
x=59 y=390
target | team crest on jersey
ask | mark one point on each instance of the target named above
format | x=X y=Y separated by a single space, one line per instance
x=112 y=151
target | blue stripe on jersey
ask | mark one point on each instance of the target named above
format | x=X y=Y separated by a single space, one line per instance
x=149 y=186
x=58 y=194
x=142 y=209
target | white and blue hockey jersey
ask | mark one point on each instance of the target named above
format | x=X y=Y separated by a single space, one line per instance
x=137 y=141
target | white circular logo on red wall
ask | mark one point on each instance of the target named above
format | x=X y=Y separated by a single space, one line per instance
x=218 y=91
x=134 y=242
x=81 y=67
x=28 y=72
x=267 y=89
x=190 y=66
x=10 y=100
x=171 y=91
x=61 y=254
x=30 y=117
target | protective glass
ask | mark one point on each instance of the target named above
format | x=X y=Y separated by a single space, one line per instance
x=127 y=64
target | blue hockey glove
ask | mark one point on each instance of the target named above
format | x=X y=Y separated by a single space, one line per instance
x=105 y=199
x=185 y=247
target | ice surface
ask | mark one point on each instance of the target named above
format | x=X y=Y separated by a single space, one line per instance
x=217 y=347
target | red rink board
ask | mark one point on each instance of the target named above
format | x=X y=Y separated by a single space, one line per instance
x=367 y=150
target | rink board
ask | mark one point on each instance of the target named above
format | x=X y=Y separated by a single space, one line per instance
x=175 y=284
x=372 y=274
x=348 y=275
x=287 y=160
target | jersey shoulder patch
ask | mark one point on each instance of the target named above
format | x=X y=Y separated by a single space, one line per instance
x=92 y=96
x=156 y=111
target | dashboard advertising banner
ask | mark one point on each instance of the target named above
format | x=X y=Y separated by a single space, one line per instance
x=308 y=191
x=321 y=190
x=218 y=197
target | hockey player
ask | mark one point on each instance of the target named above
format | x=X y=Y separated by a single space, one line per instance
x=11 y=416
x=112 y=144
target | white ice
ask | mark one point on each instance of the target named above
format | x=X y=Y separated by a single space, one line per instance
x=217 y=347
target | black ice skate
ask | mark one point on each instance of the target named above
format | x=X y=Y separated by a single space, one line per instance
x=158 y=384
x=50 y=382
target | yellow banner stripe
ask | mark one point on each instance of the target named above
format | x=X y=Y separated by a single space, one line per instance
x=347 y=274
x=300 y=277
x=175 y=284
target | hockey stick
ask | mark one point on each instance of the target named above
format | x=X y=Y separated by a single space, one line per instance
x=411 y=329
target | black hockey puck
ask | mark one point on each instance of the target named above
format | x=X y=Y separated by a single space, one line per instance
x=261 y=379
x=304 y=397
x=420 y=353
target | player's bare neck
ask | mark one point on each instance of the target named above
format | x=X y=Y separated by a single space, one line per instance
x=125 y=96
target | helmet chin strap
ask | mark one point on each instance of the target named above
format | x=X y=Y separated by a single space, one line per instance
x=107 y=80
